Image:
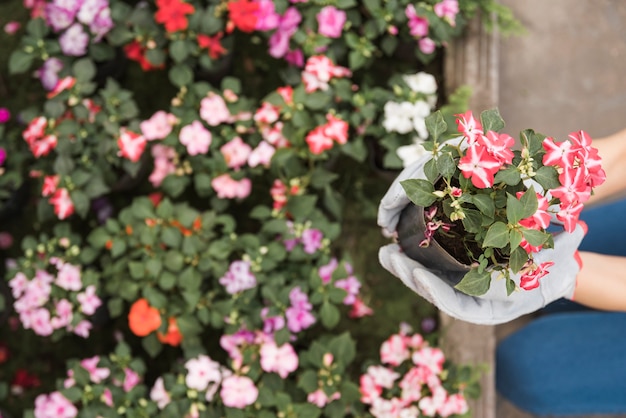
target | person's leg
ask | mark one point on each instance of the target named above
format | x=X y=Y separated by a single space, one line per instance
x=566 y=364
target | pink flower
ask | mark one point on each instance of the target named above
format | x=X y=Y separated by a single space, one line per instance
x=62 y=202
x=261 y=155
x=430 y=405
x=312 y=240
x=295 y=58
x=39 y=320
x=351 y=285
x=530 y=275
x=96 y=374
x=568 y=214
x=330 y=22
x=336 y=129
x=82 y=328
x=455 y=404
x=560 y=154
x=63 y=84
x=267 y=18
x=281 y=360
x=326 y=271
x=412 y=382
x=271 y=323
x=498 y=146
x=480 y=166
x=319 y=70
x=131 y=145
x=298 y=319
x=213 y=110
x=238 y=277
x=107 y=397
x=64 y=311
x=427 y=45
x=238 y=392
x=360 y=309
x=320 y=399
x=469 y=126
x=394 y=351
x=287 y=26
x=236 y=152
x=429 y=357
x=447 y=10
x=68 y=277
x=573 y=187
x=318 y=141
x=418 y=26
x=74 y=41
x=228 y=188
x=267 y=113
x=382 y=376
x=196 y=138
x=164 y=158
x=158 y=126
x=10 y=28
x=370 y=391
x=54 y=405
x=131 y=379
x=50 y=184
x=88 y=300
x=159 y=395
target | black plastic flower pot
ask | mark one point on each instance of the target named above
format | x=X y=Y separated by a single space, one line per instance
x=411 y=232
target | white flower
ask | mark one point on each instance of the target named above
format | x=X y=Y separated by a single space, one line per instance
x=201 y=371
x=411 y=153
x=421 y=83
x=398 y=117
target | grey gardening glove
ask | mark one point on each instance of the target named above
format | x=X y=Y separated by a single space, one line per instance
x=495 y=306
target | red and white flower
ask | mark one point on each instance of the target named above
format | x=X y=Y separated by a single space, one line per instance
x=131 y=145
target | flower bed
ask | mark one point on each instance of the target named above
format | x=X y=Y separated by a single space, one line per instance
x=182 y=171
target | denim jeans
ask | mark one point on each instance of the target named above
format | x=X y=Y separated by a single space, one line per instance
x=571 y=360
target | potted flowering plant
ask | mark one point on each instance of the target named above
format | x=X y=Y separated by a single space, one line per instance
x=485 y=207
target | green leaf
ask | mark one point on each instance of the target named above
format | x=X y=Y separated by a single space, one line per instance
x=419 y=191
x=509 y=176
x=308 y=381
x=518 y=258
x=446 y=165
x=529 y=202
x=485 y=204
x=510 y=286
x=317 y=100
x=514 y=209
x=202 y=183
x=84 y=69
x=179 y=50
x=152 y=345
x=515 y=238
x=155 y=297
x=497 y=236
x=174 y=261
x=20 y=62
x=301 y=206
x=473 y=221
x=329 y=315
x=547 y=177
x=136 y=269
x=430 y=170
x=356 y=60
x=355 y=149
x=535 y=238
x=491 y=120
x=181 y=75
x=154 y=267
x=475 y=283
x=171 y=237
x=343 y=347
x=436 y=125
x=81 y=202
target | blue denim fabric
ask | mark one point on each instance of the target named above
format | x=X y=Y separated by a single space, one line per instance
x=571 y=361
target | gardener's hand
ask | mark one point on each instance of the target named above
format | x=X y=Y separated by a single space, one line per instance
x=493 y=307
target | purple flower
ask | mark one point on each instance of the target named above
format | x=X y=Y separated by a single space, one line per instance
x=279 y=41
x=102 y=24
x=326 y=271
x=312 y=240
x=74 y=41
x=238 y=277
x=49 y=73
x=3 y=155
x=90 y=9
x=58 y=17
x=5 y=115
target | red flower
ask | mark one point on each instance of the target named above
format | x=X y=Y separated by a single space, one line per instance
x=23 y=380
x=212 y=43
x=243 y=14
x=172 y=14
x=136 y=52
x=173 y=336
x=143 y=318
x=62 y=202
